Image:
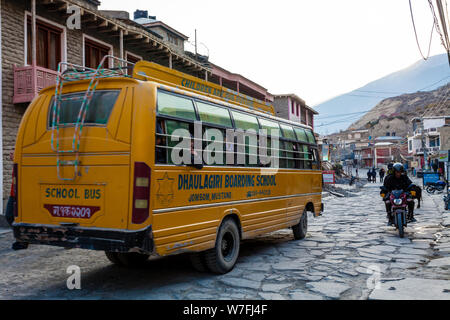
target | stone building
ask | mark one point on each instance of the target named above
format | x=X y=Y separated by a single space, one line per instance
x=291 y=107
x=36 y=35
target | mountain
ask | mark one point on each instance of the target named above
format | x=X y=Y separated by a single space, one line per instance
x=395 y=114
x=338 y=113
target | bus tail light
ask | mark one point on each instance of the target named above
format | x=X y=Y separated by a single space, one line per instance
x=141 y=193
x=15 y=189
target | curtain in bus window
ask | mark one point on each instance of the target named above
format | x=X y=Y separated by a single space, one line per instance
x=98 y=109
x=214 y=115
x=175 y=106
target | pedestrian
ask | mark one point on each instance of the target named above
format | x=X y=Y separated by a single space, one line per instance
x=369 y=175
x=435 y=167
x=374 y=175
x=382 y=174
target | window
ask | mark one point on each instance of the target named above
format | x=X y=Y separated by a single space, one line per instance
x=214 y=115
x=48 y=45
x=98 y=112
x=247 y=122
x=175 y=106
x=166 y=141
x=94 y=53
x=172 y=39
x=288 y=132
x=434 y=142
x=244 y=121
x=311 y=137
x=301 y=134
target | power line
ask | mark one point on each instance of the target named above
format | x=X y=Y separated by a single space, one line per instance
x=415 y=33
x=434 y=83
x=445 y=41
x=441 y=100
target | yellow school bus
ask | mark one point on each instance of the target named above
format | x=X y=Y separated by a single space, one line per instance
x=95 y=167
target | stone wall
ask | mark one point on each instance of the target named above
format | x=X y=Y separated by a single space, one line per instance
x=281 y=106
x=13 y=13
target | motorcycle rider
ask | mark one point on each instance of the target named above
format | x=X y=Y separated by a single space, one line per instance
x=397 y=181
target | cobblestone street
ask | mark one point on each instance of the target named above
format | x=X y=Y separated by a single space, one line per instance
x=346 y=252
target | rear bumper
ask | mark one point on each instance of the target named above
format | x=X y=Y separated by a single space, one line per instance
x=85 y=238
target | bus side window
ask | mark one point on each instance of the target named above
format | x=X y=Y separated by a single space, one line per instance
x=214 y=138
x=161 y=143
x=174 y=140
x=316 y=162
x=307 y=157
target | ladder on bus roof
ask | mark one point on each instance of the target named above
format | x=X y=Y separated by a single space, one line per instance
x=68 y=72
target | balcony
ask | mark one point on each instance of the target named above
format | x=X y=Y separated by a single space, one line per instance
x=30 y=80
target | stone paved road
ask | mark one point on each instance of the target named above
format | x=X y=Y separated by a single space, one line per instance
x=345 y=252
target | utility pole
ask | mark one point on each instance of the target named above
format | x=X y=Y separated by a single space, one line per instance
x=425 y=154
x=196 y=42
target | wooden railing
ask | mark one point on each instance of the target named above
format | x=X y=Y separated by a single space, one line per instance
x=30 y=80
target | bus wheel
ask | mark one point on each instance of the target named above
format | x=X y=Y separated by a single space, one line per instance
x=129 y=259
x=198 y=261
x=301 y=228
x=222 y=258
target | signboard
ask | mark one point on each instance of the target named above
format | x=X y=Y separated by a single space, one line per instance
x=443 y=156
x=328 y=177
x=430 y=177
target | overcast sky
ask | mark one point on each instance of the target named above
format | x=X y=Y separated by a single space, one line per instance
x=315 y=49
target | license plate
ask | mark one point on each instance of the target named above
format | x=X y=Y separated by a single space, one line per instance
x=74 y=212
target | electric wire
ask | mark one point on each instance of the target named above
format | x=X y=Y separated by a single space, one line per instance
x=417 y=38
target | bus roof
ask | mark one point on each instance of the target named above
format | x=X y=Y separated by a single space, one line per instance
x=145 y=70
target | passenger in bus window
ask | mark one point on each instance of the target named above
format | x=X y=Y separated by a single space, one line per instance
x=160 y=141
x=196 y=158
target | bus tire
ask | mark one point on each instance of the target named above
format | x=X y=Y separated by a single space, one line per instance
x=198 y=261
x=301 y=228
x=129 y=259
x=112 y=256
x=222 y=258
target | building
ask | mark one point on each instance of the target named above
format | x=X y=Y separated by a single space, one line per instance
x=171 y=36
x=434 y=134
x=239 y=84
x=291 y=107
x=36 y=35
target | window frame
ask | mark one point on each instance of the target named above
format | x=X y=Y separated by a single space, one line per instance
x=98 y=43
x=49 y=24
x=310 y=146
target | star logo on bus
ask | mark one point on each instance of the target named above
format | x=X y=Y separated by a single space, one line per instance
x=165 y=191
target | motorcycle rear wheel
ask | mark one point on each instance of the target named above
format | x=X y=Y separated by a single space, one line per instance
x=400 y=226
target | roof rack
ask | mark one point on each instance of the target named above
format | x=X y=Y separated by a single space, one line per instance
x=68 y=72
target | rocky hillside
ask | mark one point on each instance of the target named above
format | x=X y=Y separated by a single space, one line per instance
x=421 y=76
x=395 y=114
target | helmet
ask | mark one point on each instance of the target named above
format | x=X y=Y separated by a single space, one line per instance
x=390 y=166
x=398 y=167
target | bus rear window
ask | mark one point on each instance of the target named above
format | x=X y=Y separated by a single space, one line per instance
x=98 y=111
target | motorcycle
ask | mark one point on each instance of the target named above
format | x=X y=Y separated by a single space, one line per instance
x=432 y=187
x=399 y=208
